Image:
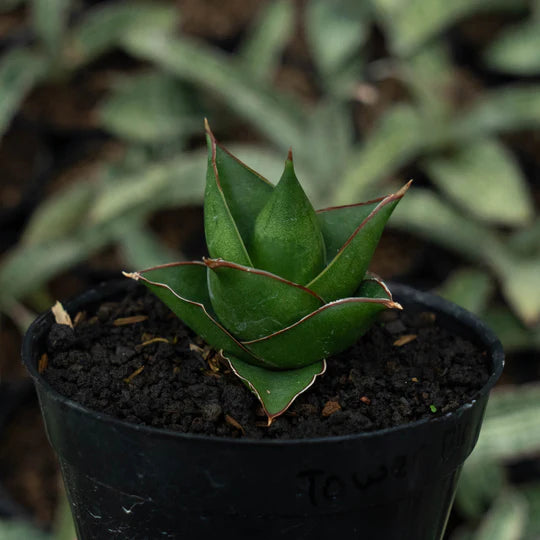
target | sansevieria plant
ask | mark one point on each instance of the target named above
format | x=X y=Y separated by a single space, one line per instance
x=285 y=286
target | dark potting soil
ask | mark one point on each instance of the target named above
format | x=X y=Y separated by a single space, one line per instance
x=136 y=361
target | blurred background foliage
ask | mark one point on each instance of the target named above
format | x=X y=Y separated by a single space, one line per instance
x=103 y=160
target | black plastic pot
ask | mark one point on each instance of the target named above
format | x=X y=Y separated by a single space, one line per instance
x=130 y=481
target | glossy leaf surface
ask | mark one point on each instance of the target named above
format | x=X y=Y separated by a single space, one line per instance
x=223 y=238
x=244 y=190
x=327 y=331
x=346 y=270
x=252 y=303
x=276 y=390
x=287 y=239
x=182 y=287
x=339 y=223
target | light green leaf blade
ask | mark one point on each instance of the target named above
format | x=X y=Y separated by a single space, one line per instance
x=287 y=239
x=276 y=390
x=105 y=26
x=410 y=23
x=252 y=303
x=484 y=179
x=398 y=137
x=149 y=108
x=20 y=70
x=142 y=248
x=262 y=48
x=183 y=288
x=325 y=148
x=508 y=108
x=514 y=335
x=17 y=530
x=511 y=428
x=531 y=491
x=346 y=270
x=27 y=267
x=469 y=288
x=424 y=213
x=521 y=281
x=49 y=18
x=61 y=214
x=335 y=31
x=480 y=482
x=516 y=50
x=327 y=331
x=173 y=182
x=277 y=116
x=506 y=519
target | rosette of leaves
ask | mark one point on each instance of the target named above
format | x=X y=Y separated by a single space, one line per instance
x=285 y=287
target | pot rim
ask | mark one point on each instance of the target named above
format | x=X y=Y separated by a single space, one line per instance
x=429 y=300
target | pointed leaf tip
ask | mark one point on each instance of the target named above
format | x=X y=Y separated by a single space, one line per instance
x=348 y=266
x=289 y=154
x=276 y=390
x=287 y=238
x=131 y=275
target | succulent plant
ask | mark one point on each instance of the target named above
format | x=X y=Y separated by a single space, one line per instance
x=285 y=287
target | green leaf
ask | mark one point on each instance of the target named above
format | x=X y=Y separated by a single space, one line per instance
x=424 y=213
x=173 y=182
x=335 y=31
x=287 y=239
x=262 y=49
x=252 y=303
x=516 y=50
x=20 y=70
x=27 y=267
x=511 y=428
x=479 y=483
x=327 y=331
x=183 y=288
x=469 y=288
x=60 y=214
x=150 y=107
x=507 y=518
x=410 y=23
x=531 y=491
x=520 y=284
x=276 y=115
x=276 y=390
x=142 y=248
x=346 y=270
x=484 y=179
x=11 y=529
x=106 y=25
x=338 y=223
x=514 y=335
x=373 y=287
x=244 y=190
x=49 y=18
x=398 y=137
x=325 y=149
x=508 y=108
x=223 y=237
